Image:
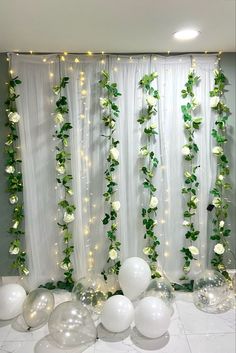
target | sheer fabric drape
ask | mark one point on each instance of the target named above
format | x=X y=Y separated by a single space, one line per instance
x=89 y=152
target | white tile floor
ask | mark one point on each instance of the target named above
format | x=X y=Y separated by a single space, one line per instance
x=191 y=331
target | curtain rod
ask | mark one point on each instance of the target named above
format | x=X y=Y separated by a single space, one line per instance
x=104 y=54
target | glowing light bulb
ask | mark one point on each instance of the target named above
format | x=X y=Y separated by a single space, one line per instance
x=76 y=60
x=89 y=53
x=63 y=58
x=44 y=60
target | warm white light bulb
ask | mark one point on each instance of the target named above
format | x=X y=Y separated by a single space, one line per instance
x=186 y=34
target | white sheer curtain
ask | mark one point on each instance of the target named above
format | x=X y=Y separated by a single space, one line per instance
x=89 y=151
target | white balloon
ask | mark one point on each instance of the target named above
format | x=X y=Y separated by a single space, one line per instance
x=134 y=277
x=117 y=314
x=152 y=317
x=12 y=298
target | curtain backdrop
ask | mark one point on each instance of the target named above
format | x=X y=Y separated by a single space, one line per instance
x=88 y=159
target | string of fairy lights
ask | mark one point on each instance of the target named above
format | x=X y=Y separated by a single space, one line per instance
x=85 y=158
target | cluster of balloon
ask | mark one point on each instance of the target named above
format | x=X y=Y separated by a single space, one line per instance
x=12 y=298
x=37 y=308
x=91 y=292
x=211 y=292
x=70 y=325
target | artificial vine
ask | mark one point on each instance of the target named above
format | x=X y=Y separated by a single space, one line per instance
x=220 y=202
x=190 y=151
x=14 y=179
x=148 y=170
x=64 y=178
x=109 y=117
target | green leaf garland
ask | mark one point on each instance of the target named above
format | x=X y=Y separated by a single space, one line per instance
x=14 y=179
x=109 y=117
x=190 y=151
x=150 y=163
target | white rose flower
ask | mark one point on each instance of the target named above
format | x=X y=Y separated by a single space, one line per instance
x=185 y=151
x=153 y=126
x=214 y=101
x=143 y=152
x=112 y=123
x=14 y=117
x=15 y=224
x=68 y=218
x=115 y=205
x=155 y=74
x=147 y=250
x=58 y=118
x=151 y=101
x=65 y=266
x=186 y=269
x=9 y=169
x=187 y=175
x=154 y=223
x=60 y=168
x=114 y=153
x=219 y=249
x=194 y=251
x=187 y=125
x=186 y=223
x=104 y=102
x=216 y=202
x=13 y=199
x=70 y=192
x=216 y=72
x=194 y=199
x=221 y=177
x=221 y=224
x=217 y=150
x=25 y=271
x=153 y=202
x=14 y=250
x=113 y=254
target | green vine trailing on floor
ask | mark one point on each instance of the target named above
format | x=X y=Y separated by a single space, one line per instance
x=148 y=170
x=14 y=179
x=190 y=152
x=109 y=117
x=64 y=179
x=220 y=202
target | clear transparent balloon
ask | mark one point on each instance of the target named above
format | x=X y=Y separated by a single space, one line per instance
x=211 y=292
x=160 y=288
x=91 y=292
x=70 y=325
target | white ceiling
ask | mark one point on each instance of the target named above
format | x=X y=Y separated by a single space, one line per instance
x=115 y=26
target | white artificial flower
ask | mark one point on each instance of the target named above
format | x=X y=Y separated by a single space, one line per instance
x=195 y=103
x=155 y=74
x=14 y=250
x=153 y=202
x=104 y=102
x=186 y=269
x=221 y=177
x=187 y=175
x=216 y=72
x=14 y=117
x=194 y=251
x=58 y=118
x=214 y=101
x=187 y=125
x=194 y=199
x=13 y=199
x=56 y=90
x=221 y=224
x=219 y=249
x=216 y=202
x=217 y=150
x=65 y=266
x=115 y=205
x=112 y=123
x=60 y=168
x=154 y=223
x=70 y=192
x=113 y=254
x=186 y=223
x=25 y=271
x=151 y=101
x=185 y=150
x=15 y=224
x=68 y=218
x=143 y=152
x=153 y=126
x=147 y=250
x=9 y=169
x=114 y=153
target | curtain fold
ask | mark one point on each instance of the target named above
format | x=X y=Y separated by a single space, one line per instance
x=89 y=153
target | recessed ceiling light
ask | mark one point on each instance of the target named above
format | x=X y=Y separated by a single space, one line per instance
x=186 y=34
